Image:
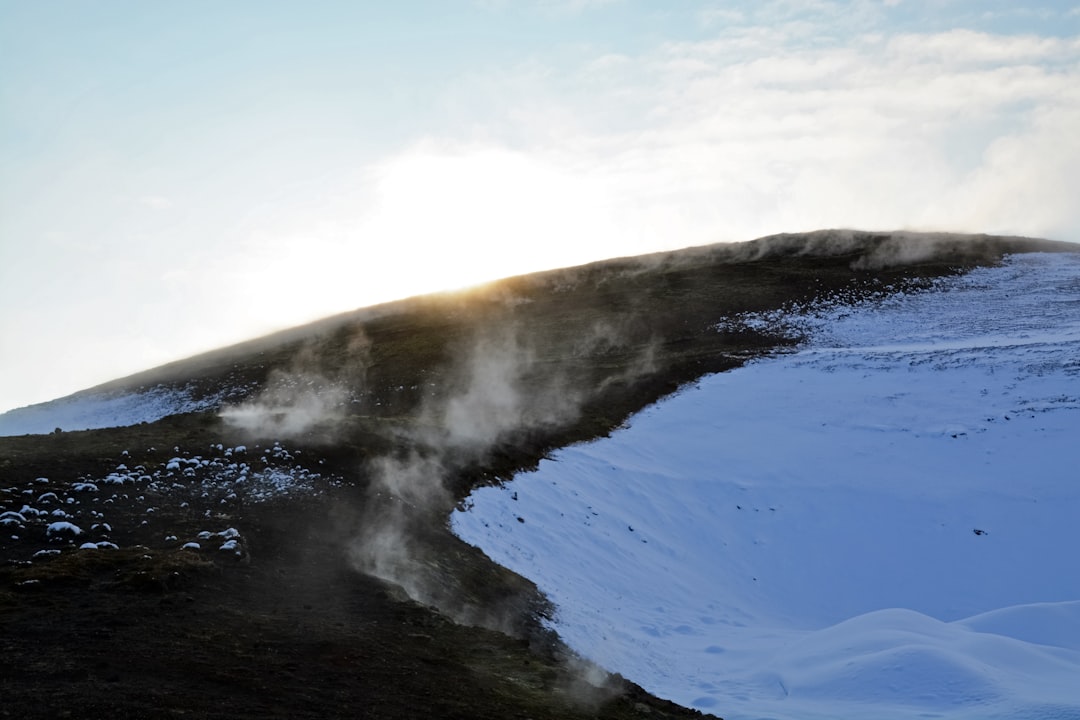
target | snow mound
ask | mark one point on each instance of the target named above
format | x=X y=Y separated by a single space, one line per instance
x=1054 y=624
x=880 y=524
x=902 y=659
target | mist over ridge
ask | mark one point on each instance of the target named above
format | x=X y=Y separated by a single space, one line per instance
x=314 y=375
x=870 y=250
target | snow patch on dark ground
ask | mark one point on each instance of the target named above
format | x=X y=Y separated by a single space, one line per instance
x=881 y=524
x=122 y=508
x=92 y=410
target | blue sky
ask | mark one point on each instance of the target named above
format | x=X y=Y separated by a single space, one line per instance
x=178 y=176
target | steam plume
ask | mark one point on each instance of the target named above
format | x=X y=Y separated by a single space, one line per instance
x=501 y=388
x=305 y=396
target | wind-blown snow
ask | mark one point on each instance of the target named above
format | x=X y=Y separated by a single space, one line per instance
x=91 y=410
x=882 y=524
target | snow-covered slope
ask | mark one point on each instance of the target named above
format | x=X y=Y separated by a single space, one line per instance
x=881 y=525
x=90 y=410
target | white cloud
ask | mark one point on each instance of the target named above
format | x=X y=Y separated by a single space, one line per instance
x=1028 y=178
x=958 y=48
x=757 y=131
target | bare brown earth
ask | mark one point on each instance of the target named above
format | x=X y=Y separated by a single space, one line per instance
x=283 y=622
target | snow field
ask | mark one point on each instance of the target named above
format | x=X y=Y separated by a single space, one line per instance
x=881 y=524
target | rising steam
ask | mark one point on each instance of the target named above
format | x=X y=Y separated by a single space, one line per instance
x=501 y=387
x=305 y=396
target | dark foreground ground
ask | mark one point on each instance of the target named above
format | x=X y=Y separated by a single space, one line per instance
x=280 y=611
x=295 y=633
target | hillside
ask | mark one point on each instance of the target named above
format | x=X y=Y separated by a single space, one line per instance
x=270 y=522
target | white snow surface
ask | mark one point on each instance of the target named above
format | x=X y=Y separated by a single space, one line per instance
x=879 y=525
x=92 y=410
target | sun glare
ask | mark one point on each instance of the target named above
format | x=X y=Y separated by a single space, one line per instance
x=452 y=220
x=426 y=221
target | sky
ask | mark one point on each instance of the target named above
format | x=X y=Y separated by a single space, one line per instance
x=178 y=176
